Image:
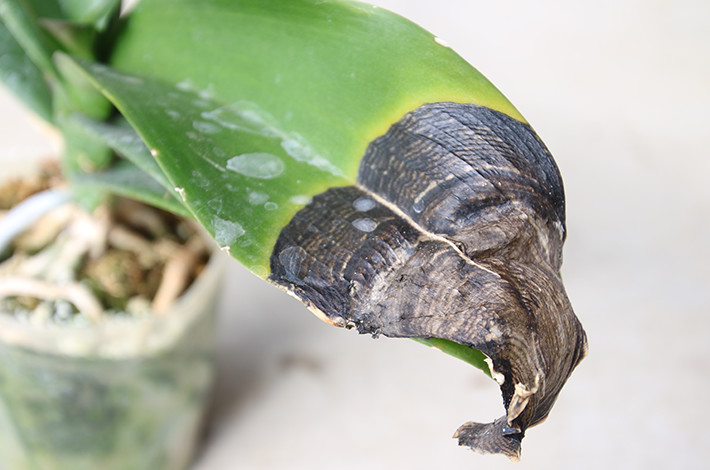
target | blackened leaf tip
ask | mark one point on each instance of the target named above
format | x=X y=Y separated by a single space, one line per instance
x=491 y=438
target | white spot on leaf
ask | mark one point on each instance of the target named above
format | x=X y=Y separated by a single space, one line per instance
x=301 y=199
x=181 y=192
x=300 y=150
x=365 y=224
x=418 y=206
x=257 y=198
x=206 y=127
x=207 y=93
x=185 y=85
x=246 y=116
x=226 y=232
x=364 y=204
x=259 y=165
x=201 y=103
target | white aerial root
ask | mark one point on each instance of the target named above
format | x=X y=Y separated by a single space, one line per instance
x=77 y=294
x=70 y=235
x=60 y=260
x=176 y=274
x=122 y=238
x=45 y=230
x=141 y=217
x=24 y=214
x=94 y=229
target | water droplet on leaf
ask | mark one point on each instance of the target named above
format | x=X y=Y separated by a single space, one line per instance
x=226 y=232
x=364 y=204
x=365 y=224
x=257 y=198
x=257 y=165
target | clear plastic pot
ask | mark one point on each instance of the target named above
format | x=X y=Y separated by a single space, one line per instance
x=122 y=394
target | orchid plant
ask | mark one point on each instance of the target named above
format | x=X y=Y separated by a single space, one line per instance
x=333 y=148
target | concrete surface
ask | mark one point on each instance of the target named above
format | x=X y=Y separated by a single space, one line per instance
x=619 y=91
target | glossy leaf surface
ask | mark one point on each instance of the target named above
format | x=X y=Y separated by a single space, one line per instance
x=228 y=162
x=273 y=102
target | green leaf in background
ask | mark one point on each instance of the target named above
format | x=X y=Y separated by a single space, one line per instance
x=95 y=13
x=19 y=74
x=142 y=179
x=26 y=41
x=126 y=179
x=77 y=39
x=24 y=26
x=83 y=152
x=77 y=25
x=75 y=93
x=124 y=140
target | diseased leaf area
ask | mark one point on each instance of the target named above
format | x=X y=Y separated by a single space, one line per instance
x=453 y=231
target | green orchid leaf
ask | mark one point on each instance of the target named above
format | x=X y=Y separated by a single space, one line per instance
x=473 y=356
x=233 y=148
x=69 y=92
x=94 y=13
x=21 y=76
x=75 y=38
x=124 y=140
x=76 y=94
x=126 y=179
x=84 y=152
x=45 y=8
x=307 y=64
x=34 y=40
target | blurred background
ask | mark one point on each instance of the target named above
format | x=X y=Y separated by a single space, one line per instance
x=619 y=91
